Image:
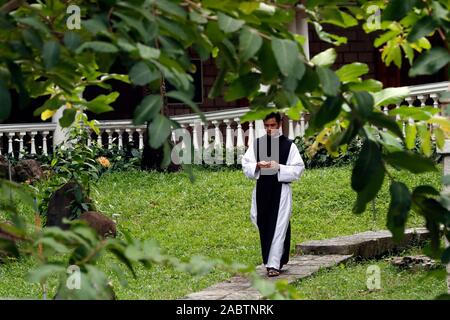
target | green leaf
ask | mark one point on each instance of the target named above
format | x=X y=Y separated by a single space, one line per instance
x=286 y=54
x=328 y=112
x=425 y=139
x=5 y=98
x=430 y=62
x=102 y=103
x=216 y=89
x=228 y=24
x=243 y=87
x=422 y=28
x=50 y=54
x=256 y=114
x=141 y=74
x=440 y=137
x=147 y=52
x=72 y=40
x=366 y=165
x=147 y=109
x=68 y=117
x=172 y=8
x=398 y=209
x=371 y=189
x=249 y=43
x=364 y=103
x=325 y=58
x=268 y=62
x=98 y=46
x=370 y=85
x=42 y=272
x=333 y=15
x=180 y=96
x=352 y=72
x=379 y=119
x=410 y=161
x=329 y=80
x=410 y=133
x=390 y=96
x=53 y=244
x=397 y=9
x=159 y=130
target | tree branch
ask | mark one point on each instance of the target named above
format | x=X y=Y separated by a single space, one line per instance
x=11 y=6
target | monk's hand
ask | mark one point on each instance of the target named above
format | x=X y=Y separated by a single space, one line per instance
x=263 y=164
x=274 y=165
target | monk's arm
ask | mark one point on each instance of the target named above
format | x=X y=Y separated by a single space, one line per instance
x=293 y=168
x=249 y=164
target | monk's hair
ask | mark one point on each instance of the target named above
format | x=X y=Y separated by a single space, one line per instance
x=275 y=115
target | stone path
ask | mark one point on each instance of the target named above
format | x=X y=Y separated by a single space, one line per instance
x=311 y=257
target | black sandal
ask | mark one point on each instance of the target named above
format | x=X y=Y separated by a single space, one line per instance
x=272 y=272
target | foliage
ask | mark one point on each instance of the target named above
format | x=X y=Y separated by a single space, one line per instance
x=153 y=205
x=41 y=57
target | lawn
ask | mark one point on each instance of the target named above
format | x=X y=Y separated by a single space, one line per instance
x=211 y=217
x=349 y=282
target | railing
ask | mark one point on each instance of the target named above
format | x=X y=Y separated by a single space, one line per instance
x=221 y=128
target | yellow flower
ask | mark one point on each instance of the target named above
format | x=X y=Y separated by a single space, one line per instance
x=104 y=162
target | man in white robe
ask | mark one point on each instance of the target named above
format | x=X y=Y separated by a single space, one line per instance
x=274 y=161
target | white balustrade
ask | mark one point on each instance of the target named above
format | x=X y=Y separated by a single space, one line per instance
x=33 y=138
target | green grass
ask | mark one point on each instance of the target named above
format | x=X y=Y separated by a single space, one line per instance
x=211 y=218
x=349 y=282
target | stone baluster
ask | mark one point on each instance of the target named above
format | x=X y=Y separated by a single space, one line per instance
x=240 y=144
x=296 y=128
x=251 y=134
x=1 y=142
x=21 y=149
x=33 y=142
x=120 y=138
x=89 y=138
x=217 y=142
x=110 y=138
x=196 y=141
x=10 y=143
x=205 y=135
x=302 y=124
x=291 y=130
x=183 y=141
x=229 y=143
x=99 y=139
x=130 y=135
x=141 y=138
x=44 y=142
x=435 y=98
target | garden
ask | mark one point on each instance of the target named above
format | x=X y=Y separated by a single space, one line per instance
x=127 y=221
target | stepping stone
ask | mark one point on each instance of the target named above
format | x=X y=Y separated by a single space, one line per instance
x=239 y=288
x=366 y=244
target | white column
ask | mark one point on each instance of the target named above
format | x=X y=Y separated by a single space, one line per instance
x=297 y=131
x=110 y=138
x=240 y=144
x=33 y=142
x=217 y=142
x=99 y=139
x=10 y=143
x=196 y=141
x=251 y=134
x=21 y=135
x=229 y=143
x=302 y=124
x=44 y=142
x=1 y=142
x=120 y=138
x=205 y=135
x=141 y=139
x=291 y=130
x=302 y=29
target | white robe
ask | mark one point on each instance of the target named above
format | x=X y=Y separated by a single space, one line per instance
x=287 y=173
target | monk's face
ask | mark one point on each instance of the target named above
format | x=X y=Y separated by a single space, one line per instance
x=272 y=126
